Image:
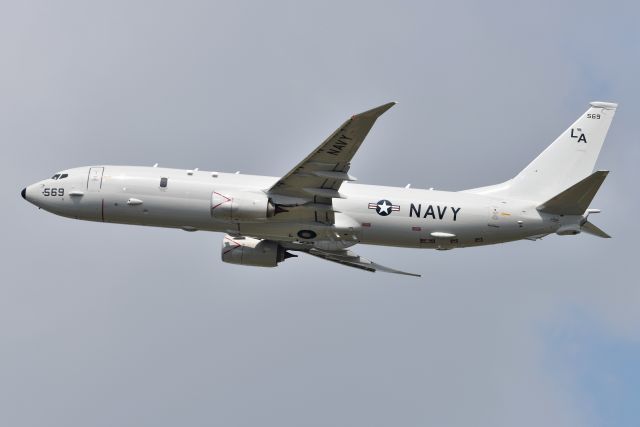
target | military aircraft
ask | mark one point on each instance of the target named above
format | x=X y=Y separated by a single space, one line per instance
x=316 y=208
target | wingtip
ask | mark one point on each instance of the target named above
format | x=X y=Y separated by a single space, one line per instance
x=378 y=111
x=408 y=274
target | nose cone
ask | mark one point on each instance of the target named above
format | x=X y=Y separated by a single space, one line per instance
x=23 y=193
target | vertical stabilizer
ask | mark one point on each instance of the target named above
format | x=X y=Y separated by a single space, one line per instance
x=569 y=159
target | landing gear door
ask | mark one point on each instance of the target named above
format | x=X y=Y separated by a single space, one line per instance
x=94 y=181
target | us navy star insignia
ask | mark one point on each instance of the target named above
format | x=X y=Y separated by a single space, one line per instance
x=384 y=207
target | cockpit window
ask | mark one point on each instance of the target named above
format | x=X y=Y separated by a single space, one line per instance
x=55 y=176
x=64 y=175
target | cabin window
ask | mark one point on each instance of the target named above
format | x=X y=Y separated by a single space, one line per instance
x=163 y=182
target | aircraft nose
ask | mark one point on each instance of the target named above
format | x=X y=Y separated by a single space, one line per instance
x=24 y=193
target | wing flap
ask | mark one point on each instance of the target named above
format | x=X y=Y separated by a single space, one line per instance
x=351 y=259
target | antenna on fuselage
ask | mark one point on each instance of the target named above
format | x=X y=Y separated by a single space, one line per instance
x=155 y=166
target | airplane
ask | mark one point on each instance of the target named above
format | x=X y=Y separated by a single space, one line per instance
x=317 y=209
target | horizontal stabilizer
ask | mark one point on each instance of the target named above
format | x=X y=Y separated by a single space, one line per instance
x=589 y=228
x=575 y=199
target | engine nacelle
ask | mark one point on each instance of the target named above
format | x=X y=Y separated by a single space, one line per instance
x=569 y=230
x=250 y=251
x=241 y=206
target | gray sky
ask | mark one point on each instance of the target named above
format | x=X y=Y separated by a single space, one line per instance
x=106 y=325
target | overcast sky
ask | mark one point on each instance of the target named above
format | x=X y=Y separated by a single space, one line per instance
x=112 y=325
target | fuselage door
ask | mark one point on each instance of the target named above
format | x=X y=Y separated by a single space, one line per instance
x=94 y=181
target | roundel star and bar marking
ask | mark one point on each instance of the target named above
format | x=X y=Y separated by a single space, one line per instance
x=384 y=207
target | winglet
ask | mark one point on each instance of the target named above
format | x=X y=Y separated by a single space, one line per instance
x=379 y=267
x=377 y=111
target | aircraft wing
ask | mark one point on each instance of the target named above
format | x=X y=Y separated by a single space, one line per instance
x=351 y=259
x=317 y=179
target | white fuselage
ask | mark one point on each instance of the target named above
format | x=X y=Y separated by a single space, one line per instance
x=413 y=218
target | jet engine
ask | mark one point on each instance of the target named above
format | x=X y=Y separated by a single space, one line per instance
x=241 y=206
x=249 y=251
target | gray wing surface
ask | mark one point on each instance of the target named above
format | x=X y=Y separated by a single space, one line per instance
x=350 y=259
x=315 y=182
x=317 y=179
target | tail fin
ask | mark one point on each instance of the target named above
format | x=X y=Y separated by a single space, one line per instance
x=575 y=199
x=569 y=159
